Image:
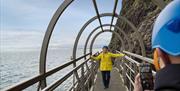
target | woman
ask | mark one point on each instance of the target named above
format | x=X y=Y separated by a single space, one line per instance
x=106 y=64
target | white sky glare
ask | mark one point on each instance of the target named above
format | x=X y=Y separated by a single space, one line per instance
x=24 y=22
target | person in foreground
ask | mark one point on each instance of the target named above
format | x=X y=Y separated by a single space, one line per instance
x=166 y=46
x=106 y=64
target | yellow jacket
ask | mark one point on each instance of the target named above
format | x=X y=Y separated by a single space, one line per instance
x=105 y=60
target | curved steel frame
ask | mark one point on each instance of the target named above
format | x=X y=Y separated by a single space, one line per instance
x=138 y=35
x=44 y=48
x=100 y=32
x=55 y=18
x=118 y=28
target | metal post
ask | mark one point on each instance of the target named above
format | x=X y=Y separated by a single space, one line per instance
x=82 y=78
x=130 y=75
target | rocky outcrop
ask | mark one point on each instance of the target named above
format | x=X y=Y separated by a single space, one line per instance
x=142 y=13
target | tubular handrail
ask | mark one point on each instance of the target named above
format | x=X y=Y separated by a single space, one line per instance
x=61 y=80
x=86 y=72
x=149 y=60
x=35 y=79
x=128 y=67
x=132 y=60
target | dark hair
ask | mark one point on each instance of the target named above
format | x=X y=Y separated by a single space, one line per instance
x=105 y=47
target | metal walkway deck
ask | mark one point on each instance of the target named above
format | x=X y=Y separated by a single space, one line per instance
x=116 y=83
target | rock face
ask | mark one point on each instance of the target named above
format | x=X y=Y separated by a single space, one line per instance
x=142 y=13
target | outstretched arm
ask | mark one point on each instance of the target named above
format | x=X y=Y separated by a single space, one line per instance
x=117 y=55
x=96 y=58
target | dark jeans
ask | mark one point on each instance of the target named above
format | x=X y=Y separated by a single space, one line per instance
x=106 y=78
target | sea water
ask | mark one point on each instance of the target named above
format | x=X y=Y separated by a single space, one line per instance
x=16 y=66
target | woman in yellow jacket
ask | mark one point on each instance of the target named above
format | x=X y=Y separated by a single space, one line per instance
x=106 y=64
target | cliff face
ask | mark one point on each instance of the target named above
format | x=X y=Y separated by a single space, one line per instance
x=142 y=13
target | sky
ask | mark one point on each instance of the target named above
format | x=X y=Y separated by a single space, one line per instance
x=24 y=22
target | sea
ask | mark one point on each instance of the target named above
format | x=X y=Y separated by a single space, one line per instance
x=17 y=66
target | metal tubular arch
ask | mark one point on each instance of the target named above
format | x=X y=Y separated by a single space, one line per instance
x=45 y=44
x=83 y=28
x=119 y=29
x=100 y=32
x=138 y=35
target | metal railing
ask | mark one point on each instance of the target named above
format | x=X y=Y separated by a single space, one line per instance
x=83 y=83
x=128 y=67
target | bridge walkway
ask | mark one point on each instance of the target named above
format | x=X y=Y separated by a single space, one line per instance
x=116 y=82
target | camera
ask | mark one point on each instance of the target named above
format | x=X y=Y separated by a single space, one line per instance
x=146 y=76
